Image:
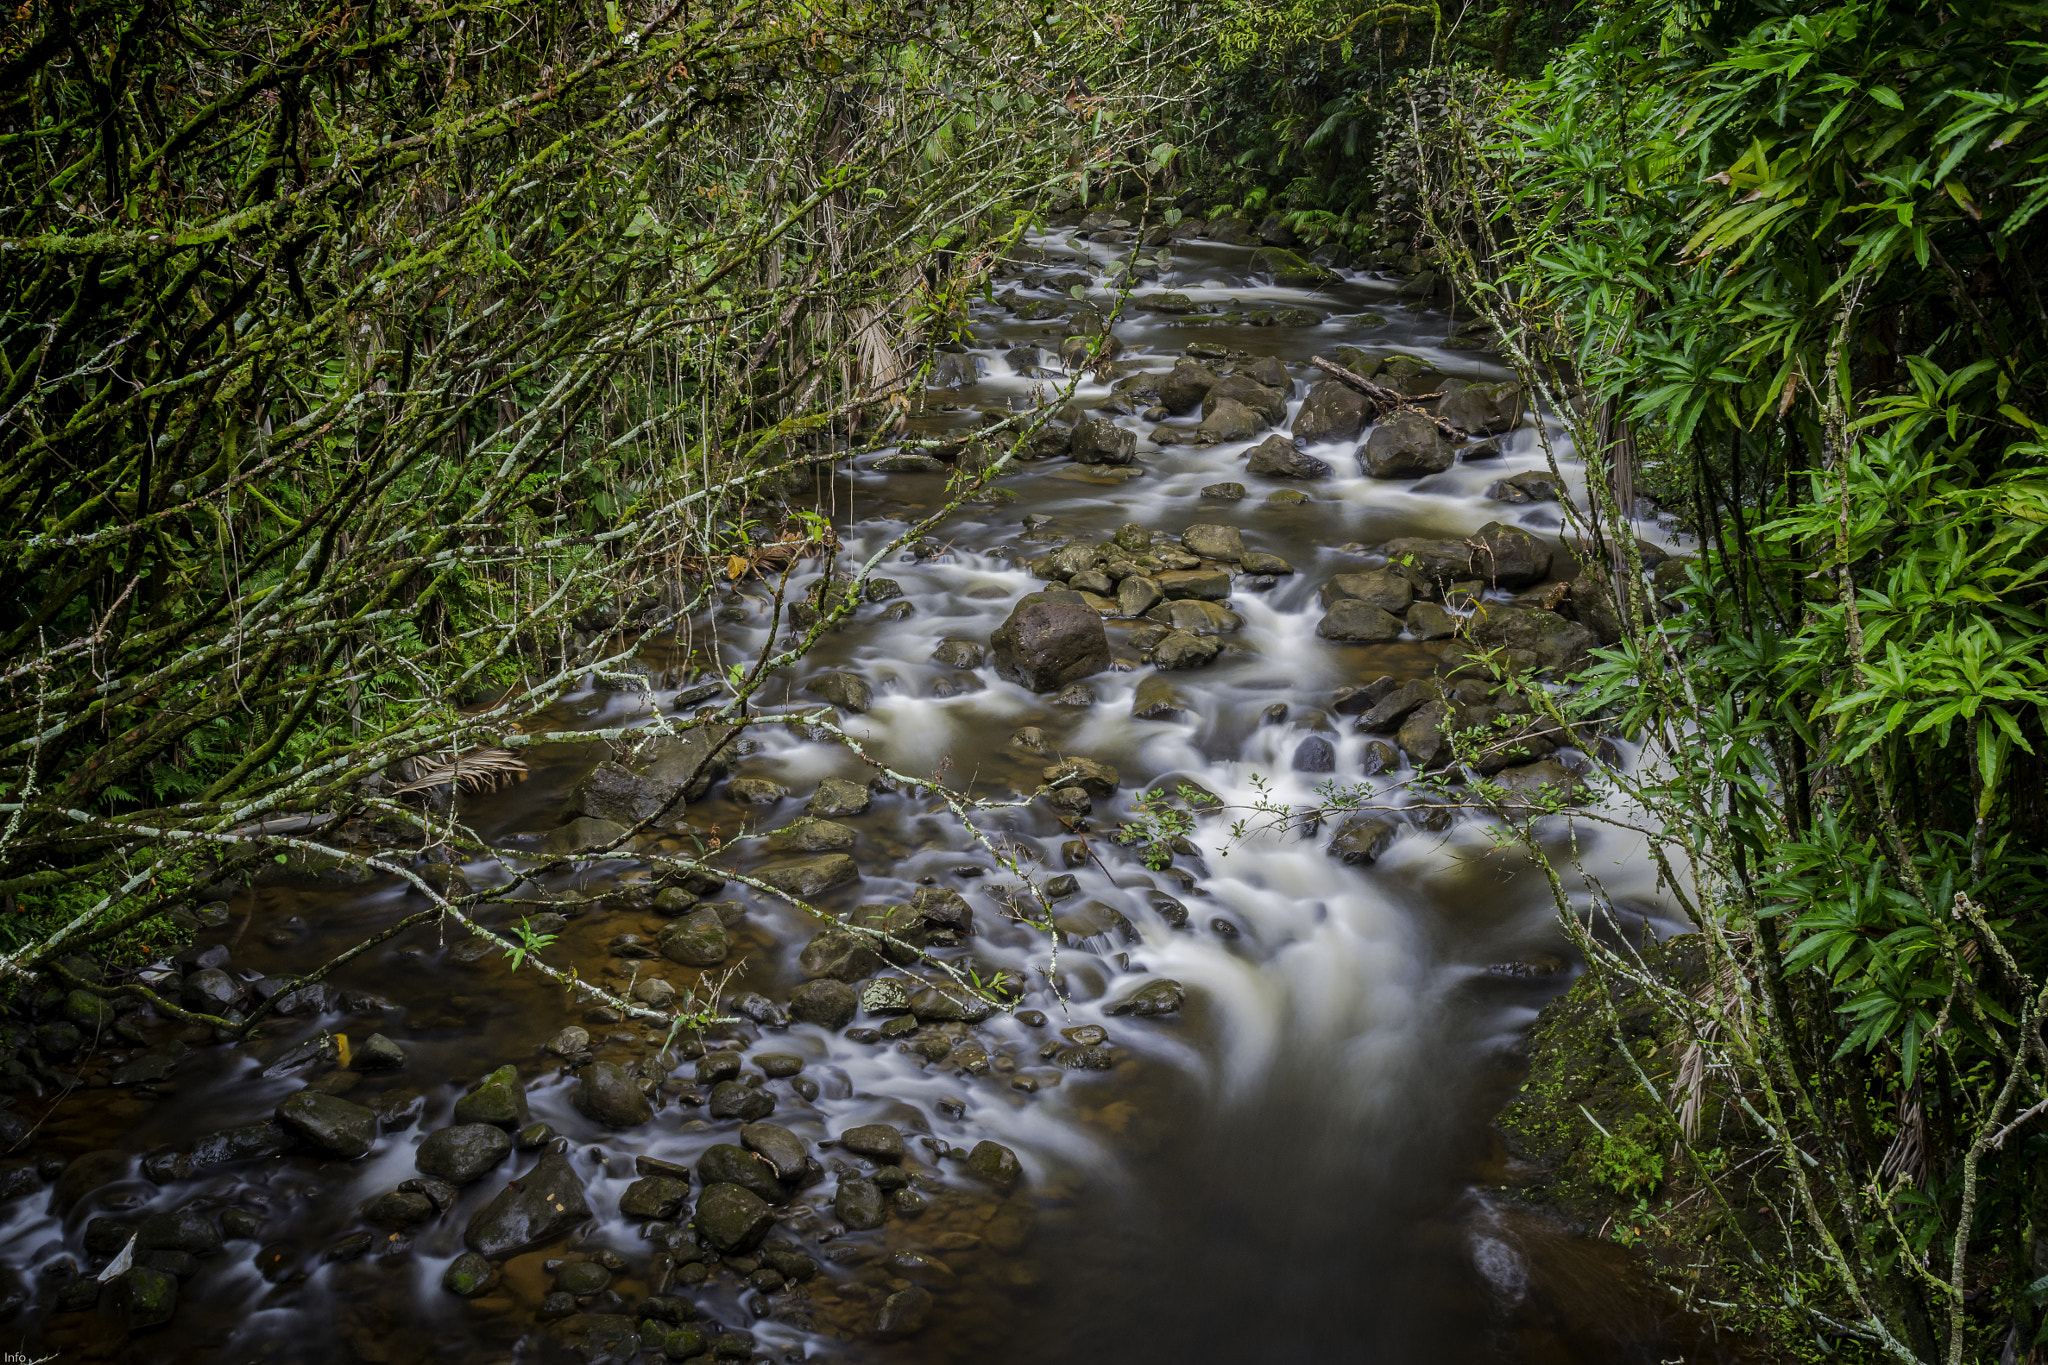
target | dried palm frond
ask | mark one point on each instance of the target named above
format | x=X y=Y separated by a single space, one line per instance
x=1907 y=1157
x=1716 y=997
x=471 y=770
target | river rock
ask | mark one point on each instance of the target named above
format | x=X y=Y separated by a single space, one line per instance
x=1183 y=390
x=1428 y=621
x=1181 y=649
x=469 y=1275
x=943 y=908
x=994 y=1164
x=1045 y=644
x=1439 y=562
x=857 y=1203
x=733 y=1219
x=876 y=1141
x=1205 y=585
x=1315 y=754
x=1509 y=556
x=736 y=1165
x=1223 y=492
x=1137 y=595
x=1164 y=996
x=1395 y=703
x=839 y=954
x=1406 y=445
x=1213 y=542
x=828 y=1004
x=1531 y=485
x=1269 y=404
x=1332 y=411
x=1555 y=642
x=1097 y=779
x=1382 y=588
x=1259 y=562
x=1156 y=699
x=1100 y=441
x=329 y=1124
x=1538 y=785
x=1361 y=840
x=811 y=835
x=543 y=1204
x=755 y=791
x=904 y=1313
x=940 y=1004
x=139 y=1299
x=1482 y=409
x=399 y=1209
x=1226 y=419
x=1276 y=458
x=698 y=939
x=782 y=1149
x=675 y=770
x=837 y=797
x=1289 y=269
x=958 y=653
x=847 y=691
x=1195 y=617
x=611 y=1095
x=809 y=878
x=462 y=1152
x=1350 y=621
x=736 y=1100
x=583 y=834
x=1424 y=735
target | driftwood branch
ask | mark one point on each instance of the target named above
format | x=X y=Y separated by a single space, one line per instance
x=1384 y=399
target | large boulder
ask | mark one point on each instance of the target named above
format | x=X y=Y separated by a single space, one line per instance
x=1289 y=269
x=1509 y=556
x=1205 y=585
x=1332 y=411
x=698 y=939
x=1183 y=390
x=329 y=1124
x=462 y=1152
x=611 y=1095
x=1406 y=445
x=1269 y=403
x=671 y=771
x=1553 y=641
x=1276 y=458
x=839 y=954
x=538 y=1207
x=806 y=878
x=1437 y=561
x=1099 y=440
x=1047 y=644
x=1350 y=621
x=1482 y=409
x=1227 y=420
x=733 y=1219
x=1382 y=588
x=1213 y=542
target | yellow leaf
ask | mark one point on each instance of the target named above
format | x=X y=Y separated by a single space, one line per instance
x=735 y=565
x=341 y=1046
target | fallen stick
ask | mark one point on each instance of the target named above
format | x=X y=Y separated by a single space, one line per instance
x=1384 y=399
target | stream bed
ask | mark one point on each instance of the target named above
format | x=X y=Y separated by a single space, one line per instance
x=1294 y=1165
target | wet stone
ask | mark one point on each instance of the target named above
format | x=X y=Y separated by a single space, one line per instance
x=399 y=1209
x=1154 y=998
x=847 y=691
x=1361 y=841
x=726 y=1163
x=331 y=1126
x=779 y=1065
x=828 y=1004
x=754 y=791
x=809 y=878
x=733 y=1219
x=696 y=940
x=569 y=1042
x=733 y=1100
x=611 y=1095
x=878 y=1141
x=1315 y=755
x=140 y=1299
x=783 y=1150
x=582 y=1277
x=543 y=1204
x=837 y=797
x=1350 y=621
x=949 y=1004
x=498 y=1099
x=888 y=995
x=858 y=1203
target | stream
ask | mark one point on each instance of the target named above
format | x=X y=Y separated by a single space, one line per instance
x=1295 y=1166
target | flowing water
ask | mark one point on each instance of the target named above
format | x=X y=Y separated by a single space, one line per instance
x=1297 y=1167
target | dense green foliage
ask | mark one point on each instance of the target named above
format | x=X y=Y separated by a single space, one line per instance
x=1777 y=263
x=368 y=375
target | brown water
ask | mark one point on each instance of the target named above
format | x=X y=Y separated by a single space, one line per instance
x=1296 y=1168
